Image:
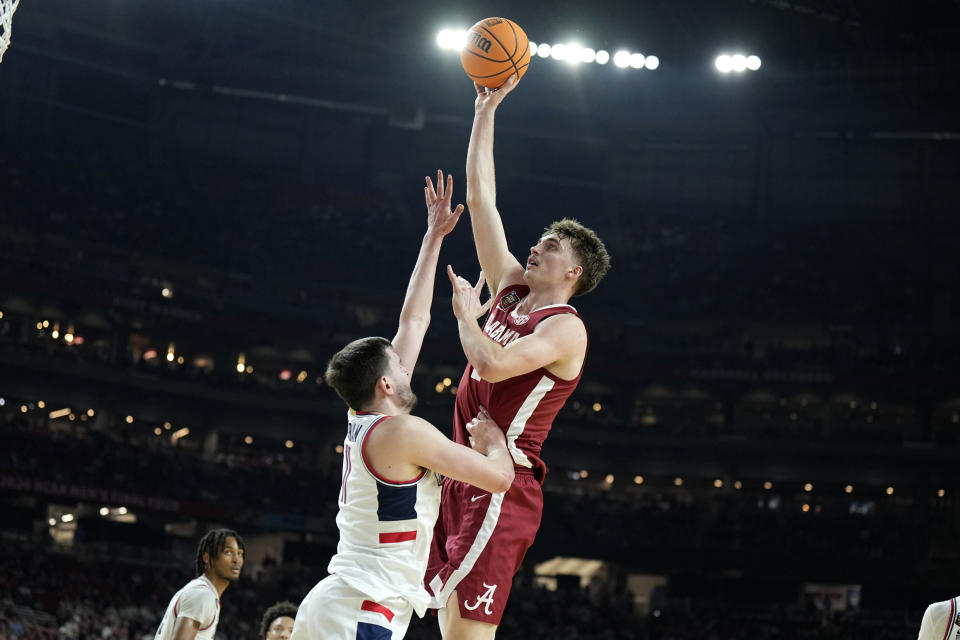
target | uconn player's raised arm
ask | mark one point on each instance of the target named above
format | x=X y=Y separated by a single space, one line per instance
x=497 y=262
x=415 y=314
x=488 y=465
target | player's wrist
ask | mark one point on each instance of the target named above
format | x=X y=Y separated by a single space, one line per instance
x=433 y=234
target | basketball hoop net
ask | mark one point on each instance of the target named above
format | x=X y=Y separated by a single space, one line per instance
x=7 y=7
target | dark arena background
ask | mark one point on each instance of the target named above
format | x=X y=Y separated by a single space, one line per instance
x=202 y=200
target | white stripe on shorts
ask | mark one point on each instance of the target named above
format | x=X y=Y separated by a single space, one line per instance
x=490 y=519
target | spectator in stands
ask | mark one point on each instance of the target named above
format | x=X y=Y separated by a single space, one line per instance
x=277 y=621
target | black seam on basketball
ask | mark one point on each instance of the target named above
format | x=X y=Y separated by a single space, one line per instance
x=474 y=53
x=493 y=75
x=517 y=71
x=516 y=40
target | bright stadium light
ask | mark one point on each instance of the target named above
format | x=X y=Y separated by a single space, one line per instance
x=753 y=63
x=543 y=50
x=621 y=58
x=637 y=60
x=451 y=38
x=588 y=55
x=723 y=63
x=652 y=62
x=603 y=57
x=573 y=53
x=738 y=62
x=533 y=48
x=558 y=52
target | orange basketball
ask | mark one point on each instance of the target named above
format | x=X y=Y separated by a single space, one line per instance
x=496 y=48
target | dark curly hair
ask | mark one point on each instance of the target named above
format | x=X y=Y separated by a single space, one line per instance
x=279 y=610
x=213 y=543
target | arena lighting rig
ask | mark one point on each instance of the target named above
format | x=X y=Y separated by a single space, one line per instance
x=572 y=53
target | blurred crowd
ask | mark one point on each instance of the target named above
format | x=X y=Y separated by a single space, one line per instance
x=50 y=595
x=249 y=483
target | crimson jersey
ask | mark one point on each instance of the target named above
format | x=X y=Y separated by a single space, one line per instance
x=524 y=406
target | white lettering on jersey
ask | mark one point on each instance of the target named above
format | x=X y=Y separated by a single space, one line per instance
x=499 y=332
x=486 y=598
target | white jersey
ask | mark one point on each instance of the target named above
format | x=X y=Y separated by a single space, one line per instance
x=385 y=524
x=941 y=621
x=197 y=600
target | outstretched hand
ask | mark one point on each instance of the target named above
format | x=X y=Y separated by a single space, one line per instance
x=489 y=99
x=439 y=216
x=466 y=297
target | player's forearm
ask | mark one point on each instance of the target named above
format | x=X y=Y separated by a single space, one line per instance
x=481 y=352
x=481 y=177
x=419 y=296
x=501 y=463
x=488 y=234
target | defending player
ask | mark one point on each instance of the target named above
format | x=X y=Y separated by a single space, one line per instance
x=522 y=366
x=194 y=611
x=941 y=620
x=391 y=491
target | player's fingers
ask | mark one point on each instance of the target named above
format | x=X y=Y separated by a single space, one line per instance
x=429 y=185
x=449 y=188
x=453 y=277
x=440 y=183
x=457 y=212
x=479 y=286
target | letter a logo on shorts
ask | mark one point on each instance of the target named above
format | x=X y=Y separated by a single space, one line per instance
x=487 y=598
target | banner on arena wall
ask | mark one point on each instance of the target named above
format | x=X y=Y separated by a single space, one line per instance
x=90 y=494
x=833 y=597
x=101 y=496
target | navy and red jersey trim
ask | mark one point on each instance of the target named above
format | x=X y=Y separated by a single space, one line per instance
x=369 y=605
x=952 y=619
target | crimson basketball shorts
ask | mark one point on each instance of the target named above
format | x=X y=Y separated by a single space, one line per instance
x=479 y=542
x=333 y=610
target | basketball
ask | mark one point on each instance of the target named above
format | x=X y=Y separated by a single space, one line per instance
x=496 y=48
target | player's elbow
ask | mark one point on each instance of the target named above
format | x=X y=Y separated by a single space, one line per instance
x=479 y=199
x=491 y=371
x=504 y=481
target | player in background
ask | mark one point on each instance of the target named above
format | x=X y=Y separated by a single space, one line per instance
x=522 y=366
x=194 y=610
x=277 y=621
x=941 y=621
x=390 y=492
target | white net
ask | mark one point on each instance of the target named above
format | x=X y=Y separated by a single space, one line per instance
x=7 y=7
